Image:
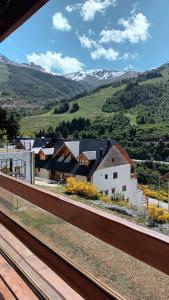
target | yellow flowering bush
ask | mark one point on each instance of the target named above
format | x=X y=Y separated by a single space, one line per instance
x=157 y=214
x=89 y=191
x=160 y=195
x=80 y=188
x=105 y=199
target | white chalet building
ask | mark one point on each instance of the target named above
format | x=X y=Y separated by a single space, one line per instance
x=103 y=163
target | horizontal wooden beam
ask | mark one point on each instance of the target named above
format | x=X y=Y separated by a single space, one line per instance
x=139 y=242
x=16 y=14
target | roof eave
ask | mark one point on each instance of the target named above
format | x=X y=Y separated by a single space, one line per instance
x=16 y=14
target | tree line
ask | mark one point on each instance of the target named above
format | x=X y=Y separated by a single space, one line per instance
x=9 y=124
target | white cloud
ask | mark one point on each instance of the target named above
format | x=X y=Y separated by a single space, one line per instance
x=108 y=54
x=135 y=55
x=71 y=8
x=135 y=30
x=91 y=7
x=51 y=61
x=111 y=54
x=86 y=42
x=129 y=68
x=60 y=22
x=91 y=32
x=125 y=56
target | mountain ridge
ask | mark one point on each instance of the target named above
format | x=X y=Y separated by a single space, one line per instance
x=4 y=59
x=98 y=77
x=28 y=87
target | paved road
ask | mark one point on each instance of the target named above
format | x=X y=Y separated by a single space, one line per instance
x=154 y=161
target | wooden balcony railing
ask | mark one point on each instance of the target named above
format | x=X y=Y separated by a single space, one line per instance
x=145 y=245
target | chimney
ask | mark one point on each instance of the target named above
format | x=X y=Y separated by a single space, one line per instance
x=101 y=152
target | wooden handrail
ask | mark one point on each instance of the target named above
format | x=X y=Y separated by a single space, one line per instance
x=139 y=242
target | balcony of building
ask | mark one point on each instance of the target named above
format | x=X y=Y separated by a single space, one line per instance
x=82 y=253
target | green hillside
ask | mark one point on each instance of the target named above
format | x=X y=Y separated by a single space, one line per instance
x=23 y=88
x=145 y=104
x=134 y=111
x=90 y=107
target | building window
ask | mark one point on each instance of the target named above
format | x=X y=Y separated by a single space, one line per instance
x=124 y=188
x=113 y=190
x=112 y=159
x=115 y=175
x=106 y=176
x=42 y=156
x=84 y=162
x=106 y=192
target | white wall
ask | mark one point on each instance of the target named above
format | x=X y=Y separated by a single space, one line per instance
x=42 y=174
x=123 y=178
x=133 y=191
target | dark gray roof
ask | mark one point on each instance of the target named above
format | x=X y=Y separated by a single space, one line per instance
x=42 y=142
x=100 y=147
x=90 y=155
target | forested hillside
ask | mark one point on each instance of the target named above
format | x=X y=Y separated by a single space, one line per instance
x=134 y=112
x=29 y=90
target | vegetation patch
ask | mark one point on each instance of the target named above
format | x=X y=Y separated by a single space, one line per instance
x=9 y=125
x=159 y=194
x=158 y=215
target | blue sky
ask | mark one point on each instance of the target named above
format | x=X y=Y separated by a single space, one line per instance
x=67 y=36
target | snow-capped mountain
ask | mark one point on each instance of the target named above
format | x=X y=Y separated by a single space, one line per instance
x=98 y=73
x=100 y=77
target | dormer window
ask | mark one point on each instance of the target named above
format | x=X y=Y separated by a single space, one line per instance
x=42 y=156
x=84 y=162
x=87 y=157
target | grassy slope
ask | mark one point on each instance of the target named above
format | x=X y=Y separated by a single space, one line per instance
x=90 y=107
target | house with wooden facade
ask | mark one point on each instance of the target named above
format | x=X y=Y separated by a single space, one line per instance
x=103 y=163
